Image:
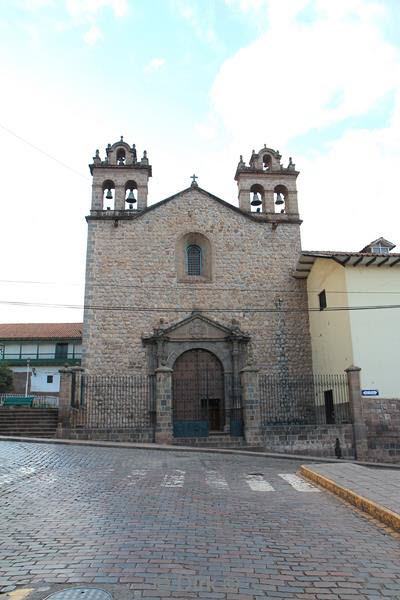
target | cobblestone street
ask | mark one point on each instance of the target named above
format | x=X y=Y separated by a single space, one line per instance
x=183 y=525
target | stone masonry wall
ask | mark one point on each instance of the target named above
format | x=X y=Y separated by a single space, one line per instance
x=310 y=440
x=135 y=265
x=382 y=418
x=143 y=435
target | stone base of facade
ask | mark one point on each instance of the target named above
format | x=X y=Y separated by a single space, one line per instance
x=384 y=448
x=310 y=440
x=382 y=419
x=109 y=435
x=213 y=441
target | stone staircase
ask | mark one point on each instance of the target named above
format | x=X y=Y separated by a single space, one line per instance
x=28 y=422
x=214 y=440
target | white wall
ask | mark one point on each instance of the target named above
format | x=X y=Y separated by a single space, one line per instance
x=330 y=331
x=376 y=333
x=47 y=350
x=39 y=381
x=10 y=348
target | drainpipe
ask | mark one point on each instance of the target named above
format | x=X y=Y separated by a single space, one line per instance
x=27 y=377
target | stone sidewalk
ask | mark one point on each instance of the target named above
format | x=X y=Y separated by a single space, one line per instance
x=375 y=491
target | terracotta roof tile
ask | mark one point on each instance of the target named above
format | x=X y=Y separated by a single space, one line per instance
x=19 y=331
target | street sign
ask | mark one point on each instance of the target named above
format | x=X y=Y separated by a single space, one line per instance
x=369 y=392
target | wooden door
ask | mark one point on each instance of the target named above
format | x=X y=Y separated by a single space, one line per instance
x=198 y=389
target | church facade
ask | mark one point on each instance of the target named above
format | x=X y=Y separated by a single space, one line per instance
x=193 y=283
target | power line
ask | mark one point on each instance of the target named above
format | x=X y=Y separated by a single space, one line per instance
x=202 y=289
x=43 y=152
x=242 y=309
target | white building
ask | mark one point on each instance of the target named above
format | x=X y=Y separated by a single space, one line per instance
x=38 y=351
x=354 y=316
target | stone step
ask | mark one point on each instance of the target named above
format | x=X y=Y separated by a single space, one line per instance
x=39 y=434
x=21 y=410
x=29 y=419
x=212 y=441
x=28 y=425
x=28 y=422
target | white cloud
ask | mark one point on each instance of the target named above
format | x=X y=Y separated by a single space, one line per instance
x=92 y=35
x=348 y=193
x=154 y=65
x=318 y=64
x=90 y=8
x=35 y=4
x=200 y=20
x=284 y=82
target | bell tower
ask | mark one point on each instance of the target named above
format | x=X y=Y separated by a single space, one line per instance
x=120 y=181
x=266 y=188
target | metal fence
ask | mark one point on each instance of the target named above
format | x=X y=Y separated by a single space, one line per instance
x=306 y=400
x=113 y=402
x=233 y=391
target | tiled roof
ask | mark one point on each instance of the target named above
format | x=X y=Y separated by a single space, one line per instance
x=346 y=259
x=330 y=253
x=44 y=331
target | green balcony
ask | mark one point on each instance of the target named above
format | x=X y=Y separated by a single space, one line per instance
x=37 y=360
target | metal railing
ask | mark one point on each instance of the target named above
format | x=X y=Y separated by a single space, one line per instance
x=38 y=401
x=113 y=402
x=39 y=355
x=304 y=400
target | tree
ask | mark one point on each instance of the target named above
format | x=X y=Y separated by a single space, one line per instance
x=6 y=379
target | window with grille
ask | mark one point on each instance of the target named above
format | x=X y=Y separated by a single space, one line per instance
x=193 y=260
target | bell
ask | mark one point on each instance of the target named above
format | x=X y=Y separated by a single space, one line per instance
x=131 y=198
x=256 y=200
x=279 y=199
x=109 y=194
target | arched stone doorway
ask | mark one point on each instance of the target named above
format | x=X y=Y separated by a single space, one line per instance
x=198 y=394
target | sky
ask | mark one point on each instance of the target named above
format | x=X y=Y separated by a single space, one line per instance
x=196 y=83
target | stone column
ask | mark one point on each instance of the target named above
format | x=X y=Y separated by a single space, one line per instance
x=141 y=197
x=164 y=433
x=119 y=200
x=244 y=200
x=251 y=406
x=291 y=203
x=359 y=427
x=269 y=206
x=64 y=399
x=97 y=197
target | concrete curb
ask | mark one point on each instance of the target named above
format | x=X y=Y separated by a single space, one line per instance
x=385 y=515
x=171 y=448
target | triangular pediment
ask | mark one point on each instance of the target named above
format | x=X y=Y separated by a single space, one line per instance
x=198 y=327
x=200 y=192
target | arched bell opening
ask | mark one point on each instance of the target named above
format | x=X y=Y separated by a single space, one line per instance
x=121 y=156
x=267 y=162
x=280 y=198
x=108 y=194
x=198 y=393
x=256 y=198
x=131 y=195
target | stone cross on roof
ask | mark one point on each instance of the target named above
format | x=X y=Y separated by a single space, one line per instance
x=194 y=182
